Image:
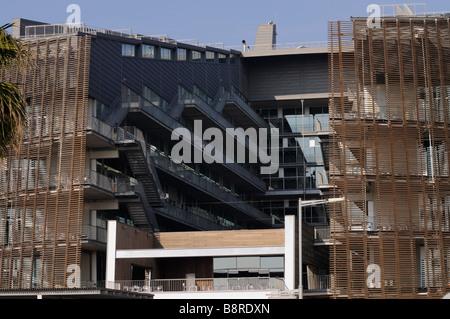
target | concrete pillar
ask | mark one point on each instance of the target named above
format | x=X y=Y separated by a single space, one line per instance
x=289 y=251
x=111 y=253
x=94 y=266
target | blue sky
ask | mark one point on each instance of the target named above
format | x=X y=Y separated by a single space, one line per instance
x=225 y=21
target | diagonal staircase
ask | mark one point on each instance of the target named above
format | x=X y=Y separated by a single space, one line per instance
x=141 y=213
x=144 y=174
x=131 y=141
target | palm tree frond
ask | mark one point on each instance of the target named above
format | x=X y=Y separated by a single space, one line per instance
x=13 y=116
x=12 y=51
x=13 y=111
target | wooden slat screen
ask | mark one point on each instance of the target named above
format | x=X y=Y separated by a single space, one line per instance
x=389 y=159
x=41 y=182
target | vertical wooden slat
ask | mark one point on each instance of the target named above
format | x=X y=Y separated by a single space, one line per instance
x=43 y=193
x=406 y=140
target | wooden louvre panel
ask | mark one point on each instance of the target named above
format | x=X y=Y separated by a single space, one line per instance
x=41 y=181
x=390 y=113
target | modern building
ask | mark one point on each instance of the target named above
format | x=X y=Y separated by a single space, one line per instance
x=288 y=87
x=96 y=201
x=98 y=151
x=389 y=101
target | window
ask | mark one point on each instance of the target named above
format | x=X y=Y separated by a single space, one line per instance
x=233 y=59
x=196 y=56
x=155 y=98
x=222 y=58
x=166 y=54
x=248 y=266
x=181 y=54
x=210 y=56
x=148 y=51
x=202 y=95
x=128 y=49
x=183 y=94
x=129 y=97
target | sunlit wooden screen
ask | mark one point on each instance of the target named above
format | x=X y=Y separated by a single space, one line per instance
x=41 y=190
x=389 y=109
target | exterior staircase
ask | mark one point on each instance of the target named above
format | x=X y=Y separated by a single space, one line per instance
x=130 y=140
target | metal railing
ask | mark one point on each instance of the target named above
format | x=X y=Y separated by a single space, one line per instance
x=201 y=181
x=100 y=127
x=200 y=284
x=318 y=283
x=99 y=180
x=321 y=233
x=90 y=232
x=49 y=30
x=280 y=46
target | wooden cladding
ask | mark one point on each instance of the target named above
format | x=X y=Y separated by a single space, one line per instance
x=41 y=182
x=214 y=239
x=389 y=158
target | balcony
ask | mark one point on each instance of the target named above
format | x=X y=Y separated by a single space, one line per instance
x=99 y=134
x=321 y=235
x=188 y=175
x=98 y=186
x=200 y=284
x=234 y=106
x=315 y=286
x=192 y=216
x=92 y=237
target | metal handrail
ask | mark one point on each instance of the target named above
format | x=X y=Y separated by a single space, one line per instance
x=321 y=233
x=48 y=30
x=200 y=284
x=91 y=232
x=281 y=46
x=318 y=283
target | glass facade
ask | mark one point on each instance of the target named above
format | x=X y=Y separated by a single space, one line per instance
x=302 y=164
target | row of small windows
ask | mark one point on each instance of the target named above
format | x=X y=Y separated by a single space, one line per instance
x=153 y=52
